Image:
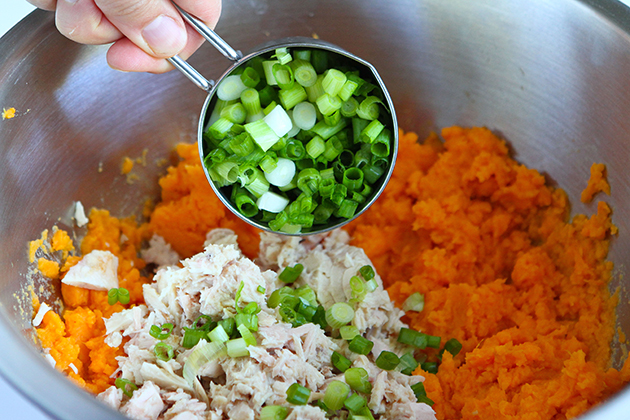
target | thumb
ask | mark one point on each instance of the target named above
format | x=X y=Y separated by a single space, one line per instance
x=153 y=25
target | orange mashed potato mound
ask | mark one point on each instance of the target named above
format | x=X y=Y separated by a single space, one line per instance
x=504 y=271
x=502 y=267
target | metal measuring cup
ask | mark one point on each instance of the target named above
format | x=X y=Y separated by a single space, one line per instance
x=239 y=59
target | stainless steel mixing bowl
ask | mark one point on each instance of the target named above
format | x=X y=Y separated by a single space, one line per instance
x=549 y=76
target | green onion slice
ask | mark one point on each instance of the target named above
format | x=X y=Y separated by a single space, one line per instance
x=273 y=412
x=360 y=345
x=358 y=379
x=202 y=354
x=339 y=361
x=163 y=351
x=339 y=314
x=387 y=360
x=336 y=393
x=415 y=302
x=298 y=394
x=291 y=274
x=126 y=386
x=161 y=333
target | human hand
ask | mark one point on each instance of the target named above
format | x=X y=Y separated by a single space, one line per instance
x=143 y=32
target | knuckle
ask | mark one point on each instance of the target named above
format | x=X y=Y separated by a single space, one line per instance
x=125 y=8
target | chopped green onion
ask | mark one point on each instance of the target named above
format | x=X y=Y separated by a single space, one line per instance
x=408 y=363
x=336 y=393
x=332 y=119
x=371 y=131
x=258 y=184
x=161 y=333
x=348 y=88
x=308 y=180
x=163 y=351
x=282 y=55
x=315 y=147
x=192 y=337
x=421 y=394
x=293 y=96
x=430 y=367
x=242 y=144
x=333 y=81
x=304 y=115
x=268 y=70
x=293 y=150
x=282 y=174
x=371 y=285
x=269 y=162
x=218 y=334
x=276 y=296
x=298 y=394
x=415 y=302
x=349 y=108
x=319 y=318
x=327 y=104
x=235 y=113
x=202 y=354
x=228 y=324
x=346 y=209
x=230 y=88
x=360 y=345
x=372 y=173
x=353 y=179
x=358 y=379
x=304 y=73
x=308 y=294
x=126 y=386
x=262 y=134
x=453 y=346
x=354 y=403
x=302 y=55
x=387 y=360
x=250 y=77
x=348 y=332
x=413 y=338
x=333 y=148
x=326 y=131
x=247 y=335
x=279 y=121
x=315 y=91
x=123 y=295
x=368 y=108
x=339 y=194
x=273 y=412
x=358 y=124
x=250 y=99
x=291 y=274
x=358 y=288
x=112 y=296
x=249 y=320
x=340 y=362
x=323 y=212
x=339 y=314
x=237 y=347
x=433 y=341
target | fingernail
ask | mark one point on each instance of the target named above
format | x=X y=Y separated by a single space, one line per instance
x=164 y=36
x=72 y=1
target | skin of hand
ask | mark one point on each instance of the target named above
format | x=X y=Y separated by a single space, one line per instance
x=142 y=32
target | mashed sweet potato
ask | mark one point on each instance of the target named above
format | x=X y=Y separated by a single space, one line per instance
x=502 y=267
x=504 y=271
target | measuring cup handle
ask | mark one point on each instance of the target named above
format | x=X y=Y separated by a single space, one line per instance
x=210 y=36
x=190 y=72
